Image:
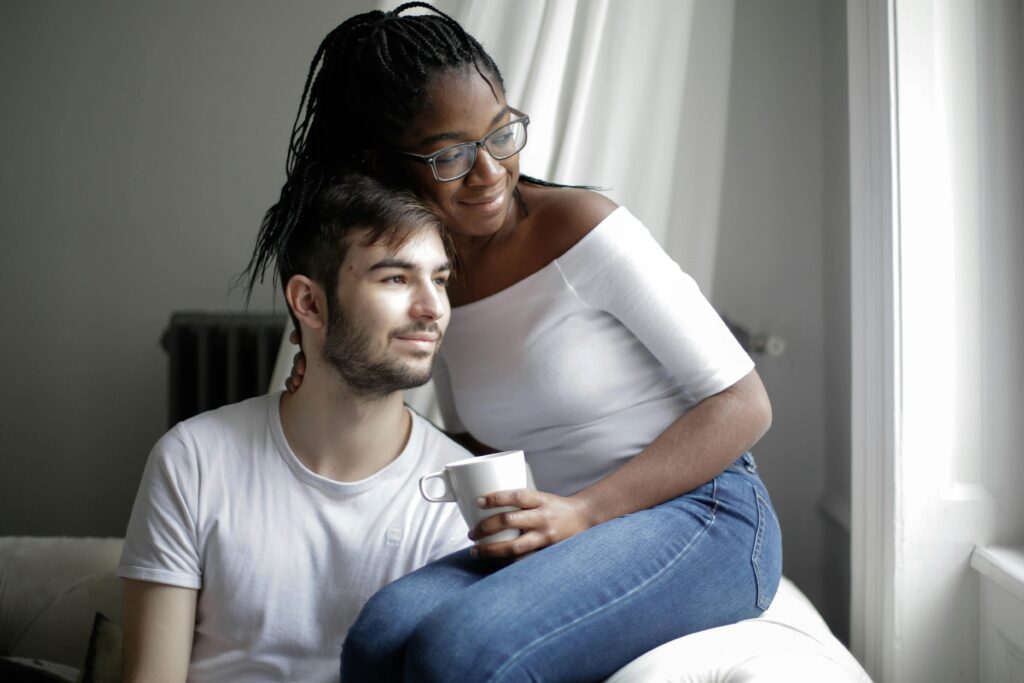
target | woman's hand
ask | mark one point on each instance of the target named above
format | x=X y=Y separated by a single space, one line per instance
x=544 y=518
x=298 y=366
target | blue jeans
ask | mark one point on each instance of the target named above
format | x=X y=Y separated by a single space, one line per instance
x=583 y=608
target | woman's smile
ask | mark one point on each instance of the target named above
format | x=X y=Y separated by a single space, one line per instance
x=485 y=205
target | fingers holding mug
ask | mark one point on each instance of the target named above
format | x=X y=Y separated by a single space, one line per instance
x=544 y=519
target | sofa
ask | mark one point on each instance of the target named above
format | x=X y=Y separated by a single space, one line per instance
x=51 y=590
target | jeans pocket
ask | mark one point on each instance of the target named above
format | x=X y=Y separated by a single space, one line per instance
x=766 y=557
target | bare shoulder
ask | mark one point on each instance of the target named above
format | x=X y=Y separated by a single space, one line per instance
x=564 y=215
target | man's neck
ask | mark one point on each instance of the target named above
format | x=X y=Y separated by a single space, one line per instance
x=339 y=435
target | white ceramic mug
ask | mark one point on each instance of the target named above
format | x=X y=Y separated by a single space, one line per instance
x=466 y=480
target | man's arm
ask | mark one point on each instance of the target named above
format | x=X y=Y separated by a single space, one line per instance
x=159 y=621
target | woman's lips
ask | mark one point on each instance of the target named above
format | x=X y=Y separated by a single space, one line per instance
x=485 y=205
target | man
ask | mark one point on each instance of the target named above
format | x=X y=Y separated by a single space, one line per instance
x=261 y=528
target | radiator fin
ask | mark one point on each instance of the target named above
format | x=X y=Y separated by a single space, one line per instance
x=218 y=358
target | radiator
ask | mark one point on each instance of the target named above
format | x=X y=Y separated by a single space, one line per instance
x=218 y=358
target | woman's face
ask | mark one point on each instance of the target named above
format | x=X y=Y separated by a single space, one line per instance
x=463 y=109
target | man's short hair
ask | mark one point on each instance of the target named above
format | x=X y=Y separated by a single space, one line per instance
x=353 y=205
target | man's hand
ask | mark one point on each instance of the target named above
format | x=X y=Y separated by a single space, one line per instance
x=544 y=518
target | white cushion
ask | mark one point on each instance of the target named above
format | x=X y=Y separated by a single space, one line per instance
x=789 y=642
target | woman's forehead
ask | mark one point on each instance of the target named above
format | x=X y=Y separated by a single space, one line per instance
x=460 y=103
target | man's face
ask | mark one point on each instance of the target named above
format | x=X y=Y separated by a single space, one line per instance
x=388 y=314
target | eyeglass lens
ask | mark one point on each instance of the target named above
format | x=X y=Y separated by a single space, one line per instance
x=502 y=143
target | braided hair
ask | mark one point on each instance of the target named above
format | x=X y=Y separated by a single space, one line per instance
x=369 y=78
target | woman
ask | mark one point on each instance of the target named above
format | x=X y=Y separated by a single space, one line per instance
x=573 y=337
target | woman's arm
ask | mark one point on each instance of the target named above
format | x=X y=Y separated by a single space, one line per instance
x=159 y=621
x=621 y=270
x=693 y=450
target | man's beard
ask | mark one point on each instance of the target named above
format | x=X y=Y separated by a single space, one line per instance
x=347 y=349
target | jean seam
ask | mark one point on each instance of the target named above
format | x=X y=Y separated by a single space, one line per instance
x=755 y=557
x=529 y=646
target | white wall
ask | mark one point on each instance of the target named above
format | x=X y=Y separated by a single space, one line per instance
x=142 y=142
x=959 y=296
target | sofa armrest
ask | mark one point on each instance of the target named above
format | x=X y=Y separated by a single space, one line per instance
x=50 y=591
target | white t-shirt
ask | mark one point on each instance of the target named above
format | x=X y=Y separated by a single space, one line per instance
x=283 y=559
x=585 y=362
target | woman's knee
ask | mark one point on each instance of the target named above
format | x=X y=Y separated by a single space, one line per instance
x=457 y=642
x=375 y=641
x=367 y=645
x=378 y=639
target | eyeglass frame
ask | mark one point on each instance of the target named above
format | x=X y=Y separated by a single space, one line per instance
x=430 y=159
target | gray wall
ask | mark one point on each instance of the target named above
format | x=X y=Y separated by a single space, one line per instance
x=143 y=140
x=835 y=501
x=780 y=266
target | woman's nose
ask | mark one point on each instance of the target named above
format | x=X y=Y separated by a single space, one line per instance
x=486 y=169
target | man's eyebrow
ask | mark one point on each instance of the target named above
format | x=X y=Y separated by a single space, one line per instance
x=406 y=265
x=393 y=263
x=462 y=135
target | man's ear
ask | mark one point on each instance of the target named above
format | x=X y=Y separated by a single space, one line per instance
x=307 y=300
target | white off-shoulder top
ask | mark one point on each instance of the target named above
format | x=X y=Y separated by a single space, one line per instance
x=585 y=362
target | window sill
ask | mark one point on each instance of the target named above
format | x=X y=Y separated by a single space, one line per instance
x=1001 y=612
x=1002 y=565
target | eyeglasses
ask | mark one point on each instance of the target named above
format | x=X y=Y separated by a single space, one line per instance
x=452 y=163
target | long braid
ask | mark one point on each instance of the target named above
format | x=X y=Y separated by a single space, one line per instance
x=368 y=79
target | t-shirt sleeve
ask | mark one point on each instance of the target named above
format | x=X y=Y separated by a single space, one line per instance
x=161 y=544
x=445 y=400
x=619 y=268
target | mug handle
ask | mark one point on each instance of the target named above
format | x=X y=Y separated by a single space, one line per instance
x=445 y=497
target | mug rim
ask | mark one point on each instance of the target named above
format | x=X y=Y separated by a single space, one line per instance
x=478 y=458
